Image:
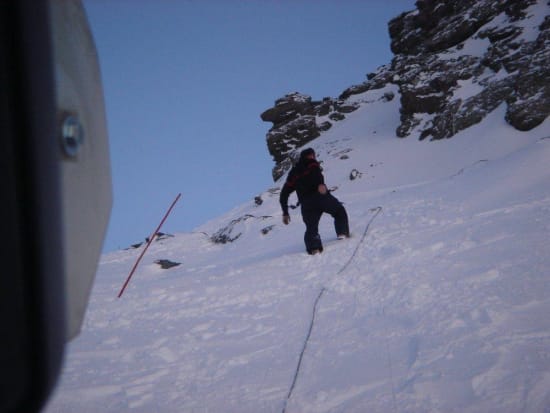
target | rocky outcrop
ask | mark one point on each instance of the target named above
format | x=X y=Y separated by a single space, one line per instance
x=167 y=264
x=232 y=231
x=296 y=121
x=454 y=62
x=490 y=46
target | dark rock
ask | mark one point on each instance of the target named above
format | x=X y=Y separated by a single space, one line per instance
x=227 y=233
x=444 y=88
x=288 y=108
x=294 y=119
x=337 y=116
x=347 y=107
x=326 y=125
x=166 y=264
x=280 y=168
x=324 y=107
x=523 y=87
x=267 y=229
x=232 y=231
x=388 y=96
x=294 y=134
x=354 y=174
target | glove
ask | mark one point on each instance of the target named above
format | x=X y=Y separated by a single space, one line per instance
x=286 y=219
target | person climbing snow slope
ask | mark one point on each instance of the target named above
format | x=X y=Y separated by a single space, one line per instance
x=306 y=178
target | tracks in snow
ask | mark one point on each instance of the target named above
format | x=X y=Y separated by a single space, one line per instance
x=344 y=267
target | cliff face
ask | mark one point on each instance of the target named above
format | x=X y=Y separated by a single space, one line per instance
x=454 y=62
x=510 y=63
x=296 y=122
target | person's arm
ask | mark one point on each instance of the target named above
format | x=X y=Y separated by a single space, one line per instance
x=283 y=197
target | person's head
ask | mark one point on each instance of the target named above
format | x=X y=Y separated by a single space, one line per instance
x=308 y=153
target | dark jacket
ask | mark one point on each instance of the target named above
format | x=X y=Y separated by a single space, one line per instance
x=304 y=178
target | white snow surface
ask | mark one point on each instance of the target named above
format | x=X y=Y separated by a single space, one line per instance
x=441 y=304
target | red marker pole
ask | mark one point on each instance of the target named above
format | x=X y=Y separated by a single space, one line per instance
x=147 y=245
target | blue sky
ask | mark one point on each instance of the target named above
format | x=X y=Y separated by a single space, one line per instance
x=185 y=83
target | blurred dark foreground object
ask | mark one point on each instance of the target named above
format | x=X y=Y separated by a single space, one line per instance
x=56 y=194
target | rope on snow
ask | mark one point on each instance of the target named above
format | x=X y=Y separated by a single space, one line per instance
x=376 y=211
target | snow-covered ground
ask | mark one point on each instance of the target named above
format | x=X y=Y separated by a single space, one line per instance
x=441 y=304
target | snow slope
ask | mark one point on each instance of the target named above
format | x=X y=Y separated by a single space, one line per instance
x=440 y=304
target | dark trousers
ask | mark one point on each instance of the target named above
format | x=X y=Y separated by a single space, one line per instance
x=312 y=209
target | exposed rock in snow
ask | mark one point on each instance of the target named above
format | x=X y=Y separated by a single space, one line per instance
x=454 y=63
